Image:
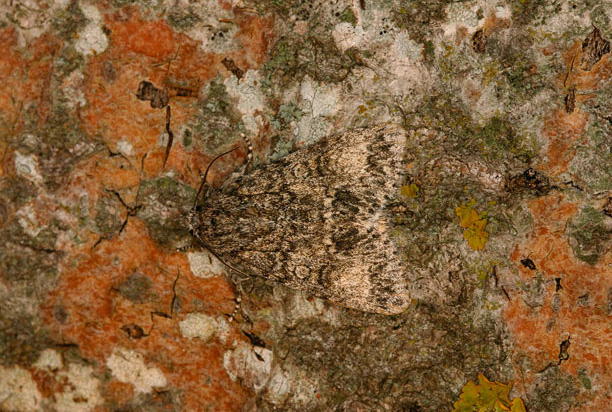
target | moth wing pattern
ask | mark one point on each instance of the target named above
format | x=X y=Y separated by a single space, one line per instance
x=316 y=220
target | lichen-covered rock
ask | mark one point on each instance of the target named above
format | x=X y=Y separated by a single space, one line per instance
x=502 y=214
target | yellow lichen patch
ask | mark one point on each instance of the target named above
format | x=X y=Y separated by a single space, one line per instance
x=487 y=396
x=474 y=224
x=410 y=191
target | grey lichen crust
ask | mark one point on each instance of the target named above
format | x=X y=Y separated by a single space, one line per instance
x=317 y=220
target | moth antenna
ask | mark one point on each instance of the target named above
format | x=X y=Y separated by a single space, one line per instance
x=201 y=188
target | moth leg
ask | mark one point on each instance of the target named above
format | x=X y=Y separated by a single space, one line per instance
x=238 y=306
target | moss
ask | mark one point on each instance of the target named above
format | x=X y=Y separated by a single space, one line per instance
x=589 y=235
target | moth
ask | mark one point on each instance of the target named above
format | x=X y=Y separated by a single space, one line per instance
x=317 y=220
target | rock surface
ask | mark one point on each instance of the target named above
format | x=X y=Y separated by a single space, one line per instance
x=105 y=305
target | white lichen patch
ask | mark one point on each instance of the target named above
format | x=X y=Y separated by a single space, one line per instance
x=205 y=265
x=26 y=166
x=18 y=391
x=128 y=366
x=198 y=325
x=292 y=386
x=72 y=88
x=49 y=360
x=407 y=49
x=251 y=100
x=125 y=147
x=460 y=15
x=223 y=330
x=251 y=364
x=318 y=101
x=28 y=221
x=279 y=386
x=207 y=22
x=92 y=39
x=347 y=36
x=81 y=393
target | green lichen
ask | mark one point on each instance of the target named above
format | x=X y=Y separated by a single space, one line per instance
x=583 y=377
x=108 y=218
x=217 y=122
x=68 y=60
x=554 y=390
x=136 y=288
x=287 y=113
x=590 y=236
x=593 y=158
x=495 y=141
x=68 y=22
x=419 y=17
x=487 y=396
x=23 y=338
x=165 y=202
x=187 y=139
x=283 y=58
x=348 y=16
x=182 y=18
x=316 y=56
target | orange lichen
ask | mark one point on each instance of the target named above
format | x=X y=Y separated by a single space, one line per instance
x=24 y=87
x=141 y=49
x=95 y=313
x=573 y=305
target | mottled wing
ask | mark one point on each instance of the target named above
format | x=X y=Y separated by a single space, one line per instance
x=317 y=220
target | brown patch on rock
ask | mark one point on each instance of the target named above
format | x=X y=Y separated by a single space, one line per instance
x=594 y=47
x=479 y=41
x=570 y=101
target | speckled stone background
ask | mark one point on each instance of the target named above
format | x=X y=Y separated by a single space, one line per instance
x=105 y=307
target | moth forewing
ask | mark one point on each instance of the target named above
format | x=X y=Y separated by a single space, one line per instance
x=316 y=220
